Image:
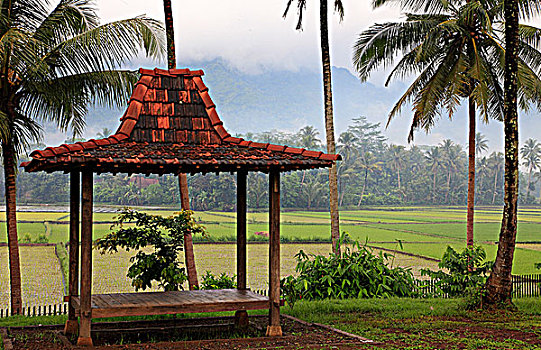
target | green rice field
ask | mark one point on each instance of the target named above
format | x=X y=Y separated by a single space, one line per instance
x=423 y=231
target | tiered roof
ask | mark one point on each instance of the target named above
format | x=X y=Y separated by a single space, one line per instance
x=171 y=126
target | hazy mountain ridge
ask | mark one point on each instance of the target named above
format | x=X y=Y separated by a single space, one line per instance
x=282 y=100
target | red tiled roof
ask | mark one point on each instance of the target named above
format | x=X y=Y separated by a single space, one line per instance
x=171 y=125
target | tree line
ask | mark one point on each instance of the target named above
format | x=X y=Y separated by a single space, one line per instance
x=373 y=172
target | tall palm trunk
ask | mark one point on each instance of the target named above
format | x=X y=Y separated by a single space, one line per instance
x=182 y=179
x=434 y=186
x=499 y=284
x=8 y=153
x=471 y=172
x=329 y=124
x=448 y=185
x=398 y=177
x=364 y=187
x=528 y=184
x=495 y=187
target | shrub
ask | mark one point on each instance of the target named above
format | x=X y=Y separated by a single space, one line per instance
x=164 y=235
x=356 y=273
x=468 y=270
x=42 y=238
x=223 y=281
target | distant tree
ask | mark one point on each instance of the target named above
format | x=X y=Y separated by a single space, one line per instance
x=434 y=162
x=308 y=138
x=481 y=143
x=496 y=163
x=397 y=161
x=531 y=154
x=368 y=164
x=105 y=132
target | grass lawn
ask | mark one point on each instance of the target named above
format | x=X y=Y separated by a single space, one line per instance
x=403 y=323
x=428 y=324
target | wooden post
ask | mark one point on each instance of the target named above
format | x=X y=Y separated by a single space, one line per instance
x=241 y=230
x=274 y=328
x=86 y=260
x=72 y=326
x=241 y=316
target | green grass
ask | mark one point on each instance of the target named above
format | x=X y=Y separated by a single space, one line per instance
x=401 y=323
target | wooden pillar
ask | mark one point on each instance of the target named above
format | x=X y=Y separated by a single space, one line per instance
x=72 y=325
x=241 y=316
x=86 y=260
x=274 y=328
x=241 y=230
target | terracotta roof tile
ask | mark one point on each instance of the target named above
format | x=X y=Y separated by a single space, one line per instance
x=139 y=92
x=172 y=120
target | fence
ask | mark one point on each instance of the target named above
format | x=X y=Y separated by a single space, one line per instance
x=41 y=310
x=523 y=286
x=527 y=286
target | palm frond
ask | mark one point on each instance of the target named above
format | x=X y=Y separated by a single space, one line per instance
x=108 y=46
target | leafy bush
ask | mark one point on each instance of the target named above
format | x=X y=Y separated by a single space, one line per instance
x=164 y=235
x=467 y=270
x=357 y=273
x=223 y=281
x=42 y=238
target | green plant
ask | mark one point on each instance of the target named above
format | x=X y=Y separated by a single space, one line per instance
x=164 y=235
x=42 y=238
x=26 y=238
x=356 y=273
x=466 y=270
x=223 y=281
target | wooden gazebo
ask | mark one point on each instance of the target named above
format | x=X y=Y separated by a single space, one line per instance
x=170 y=126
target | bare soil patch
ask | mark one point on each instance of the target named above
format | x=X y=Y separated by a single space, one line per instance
x=216 y=333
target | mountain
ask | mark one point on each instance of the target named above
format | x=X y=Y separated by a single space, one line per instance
x=289 y=100
x=281 y=100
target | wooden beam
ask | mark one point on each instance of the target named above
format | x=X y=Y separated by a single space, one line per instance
x=241 y=229
x=86 y=260
x=274 y=328
x=72 y=326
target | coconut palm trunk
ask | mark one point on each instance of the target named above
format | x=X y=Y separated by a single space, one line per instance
x=499 y=284
x=189 y=258
x=8 y=154
x=471 y=173
x=329 y=124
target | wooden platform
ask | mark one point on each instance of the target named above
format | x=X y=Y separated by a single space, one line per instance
x=160 y=303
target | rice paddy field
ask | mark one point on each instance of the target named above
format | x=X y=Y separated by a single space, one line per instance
x=421 y=231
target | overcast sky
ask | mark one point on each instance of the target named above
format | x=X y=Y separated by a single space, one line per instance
x=253 y=36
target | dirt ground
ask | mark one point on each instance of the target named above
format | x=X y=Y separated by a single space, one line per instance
x=209 y=334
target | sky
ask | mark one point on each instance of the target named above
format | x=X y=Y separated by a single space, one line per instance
x=252 y=36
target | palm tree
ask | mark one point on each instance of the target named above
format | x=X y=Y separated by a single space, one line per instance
x=481 y=143
x=367 y=163
x=496 y=161
x=434 y=161
x=307 y=137
x=189 y=258
x=499 y=284
x=55 y=62
x=531 y=153
x=397 y=158
x=347 y=145
x=456 y=49
x=327 y=92
x=451 y=158
x=105 y=132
